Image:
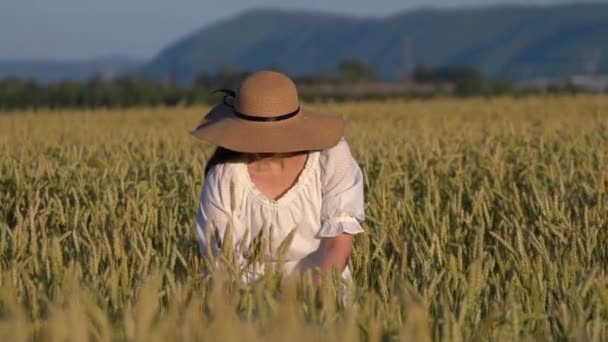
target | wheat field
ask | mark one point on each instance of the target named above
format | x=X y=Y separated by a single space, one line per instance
x=487 y=219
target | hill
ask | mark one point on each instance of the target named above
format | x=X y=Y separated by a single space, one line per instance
x=511 y=42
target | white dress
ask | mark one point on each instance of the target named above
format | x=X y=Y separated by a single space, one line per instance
x=326 y=200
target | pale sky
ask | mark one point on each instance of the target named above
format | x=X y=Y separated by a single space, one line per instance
x=76 y=29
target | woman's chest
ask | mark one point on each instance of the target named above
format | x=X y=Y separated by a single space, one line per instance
x=301 y=213
x=298 y=210
x=297 y=224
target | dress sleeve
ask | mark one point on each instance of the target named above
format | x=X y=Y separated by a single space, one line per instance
x=214 y=212
x=342 y=210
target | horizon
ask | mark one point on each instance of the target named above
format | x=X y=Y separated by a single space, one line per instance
x=137 y=50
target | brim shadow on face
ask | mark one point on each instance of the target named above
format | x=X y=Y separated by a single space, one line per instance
x=306 y=131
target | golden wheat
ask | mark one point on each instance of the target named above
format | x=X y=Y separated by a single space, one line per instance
x=487 y=219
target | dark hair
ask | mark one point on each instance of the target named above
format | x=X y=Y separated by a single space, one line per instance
x=222 y=155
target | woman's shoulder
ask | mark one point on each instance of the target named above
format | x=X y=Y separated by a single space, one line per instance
x=221 y=175
x=218 y=170
x=338 y=154
x=337 y=162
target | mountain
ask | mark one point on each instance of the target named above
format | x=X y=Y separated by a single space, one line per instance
x=50 y=70
x=511 y=42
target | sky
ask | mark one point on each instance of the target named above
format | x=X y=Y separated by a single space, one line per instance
x=84 y=29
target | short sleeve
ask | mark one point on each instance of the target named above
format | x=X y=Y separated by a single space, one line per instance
x=215 y=212
x=342 y=209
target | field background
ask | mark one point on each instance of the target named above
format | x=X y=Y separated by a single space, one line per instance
x=487 y=219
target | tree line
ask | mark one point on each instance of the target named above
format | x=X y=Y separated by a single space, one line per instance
x=132 y=90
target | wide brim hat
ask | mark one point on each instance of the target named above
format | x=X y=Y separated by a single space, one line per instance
x=264 y=116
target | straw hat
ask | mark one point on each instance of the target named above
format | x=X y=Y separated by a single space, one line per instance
x=264 y=116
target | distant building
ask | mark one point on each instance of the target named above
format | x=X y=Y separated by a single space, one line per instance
x=105 y=75
x=595 y=83
x=590 y=83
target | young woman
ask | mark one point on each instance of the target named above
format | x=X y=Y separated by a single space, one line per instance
x=279 y=172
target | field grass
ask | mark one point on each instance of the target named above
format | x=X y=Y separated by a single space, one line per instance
x=487 y=219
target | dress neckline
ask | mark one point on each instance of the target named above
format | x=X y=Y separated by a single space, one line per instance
x=289 y=193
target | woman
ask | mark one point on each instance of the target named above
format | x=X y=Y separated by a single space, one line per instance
x=282 y=174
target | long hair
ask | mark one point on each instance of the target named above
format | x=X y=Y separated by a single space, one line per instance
x=220 y=156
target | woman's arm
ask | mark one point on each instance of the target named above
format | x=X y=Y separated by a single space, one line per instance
x=342 y=209
x=337 y=252
x=214 y=214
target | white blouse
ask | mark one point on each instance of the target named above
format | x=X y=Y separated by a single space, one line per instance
x=325 y=201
